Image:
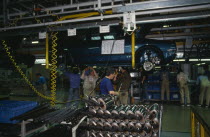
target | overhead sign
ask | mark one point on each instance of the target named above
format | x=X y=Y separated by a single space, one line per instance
x=42 y=35
x=104 y=29
x=113 y=47
x=72 y=32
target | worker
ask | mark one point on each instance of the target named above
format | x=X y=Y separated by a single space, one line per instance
x=143 y=77
x=165 y=84
x=74 y=79
x=182 y=80
x=205 y=87
x=90 y=77
x=41 y=85
x=203 y=80
x=106 y=86
x=124 y=81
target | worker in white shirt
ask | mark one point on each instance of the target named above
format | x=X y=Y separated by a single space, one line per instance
x=182 y=80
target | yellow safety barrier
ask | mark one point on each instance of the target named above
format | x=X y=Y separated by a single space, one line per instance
x=197 y=127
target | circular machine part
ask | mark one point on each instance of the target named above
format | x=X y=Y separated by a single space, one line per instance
x=148 y=66
x=149 y=53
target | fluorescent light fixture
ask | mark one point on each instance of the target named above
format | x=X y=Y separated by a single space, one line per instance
x=178 y=60
x=158 y=67
x=43 y=64
x=194 y=59
x=199 y=59
x=93 y=48
x=198 y=64
x=203 y=63
x=205 y=59
x=65 y=49
x=96 y=38
x=109 y=37
x=24 y=38
x=166 y=26
x=40 y=61
x=35 y=42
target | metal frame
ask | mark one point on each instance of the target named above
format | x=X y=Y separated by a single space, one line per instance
x=142 y=20
x=24 y=133
x=76 y=127
x=153 y=5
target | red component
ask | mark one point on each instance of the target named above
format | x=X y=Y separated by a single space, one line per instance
x=37 y=9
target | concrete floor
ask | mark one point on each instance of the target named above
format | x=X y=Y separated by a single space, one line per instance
x=176 y=121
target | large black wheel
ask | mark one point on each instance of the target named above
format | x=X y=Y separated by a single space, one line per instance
x=149 y=53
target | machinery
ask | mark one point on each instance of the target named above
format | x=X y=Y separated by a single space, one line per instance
x=100 y=118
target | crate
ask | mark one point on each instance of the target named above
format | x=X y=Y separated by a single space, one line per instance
x=11 y=108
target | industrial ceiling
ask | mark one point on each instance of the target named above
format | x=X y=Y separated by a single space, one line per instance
x=167 y=19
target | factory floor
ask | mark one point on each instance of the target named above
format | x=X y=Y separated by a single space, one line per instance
x=175 y=121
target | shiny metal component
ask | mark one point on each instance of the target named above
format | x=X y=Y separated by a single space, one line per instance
x=107 y=126
x=115 y=112
x=92 y=111
x=100 y=112
x=122 y=126
x=131 y=126
x=131 y=113
x=93 y=134
x=100 y=125
x=92 y=124
x=138 y=126
x=155 y=125
x=140 y=112
x=154 y=135
x=106 y=102
x=148 y=129
x=115 y=135
x=107 y=134
x=99 y=134
x=122 y=113
x=107 y=114
x=115 y=127
x=153 y=111
x=109 y=120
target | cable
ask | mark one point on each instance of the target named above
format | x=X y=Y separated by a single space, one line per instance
x=53 y=70
x=21 y=72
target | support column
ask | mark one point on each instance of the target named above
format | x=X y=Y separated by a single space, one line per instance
x=47 y=51
x=133 y=49
x=5 y=15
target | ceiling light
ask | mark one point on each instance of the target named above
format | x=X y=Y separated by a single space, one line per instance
x=40 y=61
x=35 y=42
x=43 y=64
x=178 y=60
x=109 y=37
x=96 y=38
x=199 y=59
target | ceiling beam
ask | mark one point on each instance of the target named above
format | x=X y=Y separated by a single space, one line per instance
x=141 y=20
x=180 y=27
x=153 y=5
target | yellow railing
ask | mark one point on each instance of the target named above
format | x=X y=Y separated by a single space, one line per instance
x=197 y=127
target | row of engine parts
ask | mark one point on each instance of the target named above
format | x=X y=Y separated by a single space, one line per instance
x=109 y=120
x=104 y=118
